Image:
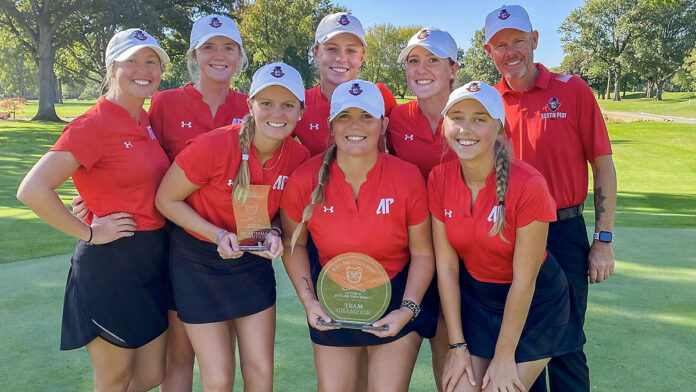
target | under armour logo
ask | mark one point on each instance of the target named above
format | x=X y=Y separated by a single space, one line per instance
x=186 y=124
x=314 y=126
x=128 y=144
x=408 y=137
x=230 y=182
x=280 y=182
x=448 y=213
x=329 y=209
x=384 y=204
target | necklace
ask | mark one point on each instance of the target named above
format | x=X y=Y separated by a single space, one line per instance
x=282 y=148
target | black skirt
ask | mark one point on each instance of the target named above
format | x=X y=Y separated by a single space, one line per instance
x=553 y=324
x=425 y=324
x=209 y=289
x=117 y=291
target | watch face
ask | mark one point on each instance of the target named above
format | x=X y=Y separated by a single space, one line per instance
x=605 y=236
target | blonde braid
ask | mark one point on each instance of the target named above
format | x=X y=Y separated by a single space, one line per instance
x=241 y=182
x=317 y=193
x=502 y=172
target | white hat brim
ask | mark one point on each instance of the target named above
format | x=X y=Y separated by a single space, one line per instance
x=299 y=96
x=206 y=37
x=403 y=56
x=335 y=33
x=164 y=58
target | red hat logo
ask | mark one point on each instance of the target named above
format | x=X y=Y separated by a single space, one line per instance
x=139 y=35
x=215 y=22
x=503 y=14
x=473 y=87
x=355 y=90
x=343 y=20
x=277 y=72
x=423 y=34
x=553 y=104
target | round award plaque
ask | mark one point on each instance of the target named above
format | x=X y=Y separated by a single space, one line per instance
x=354 y=290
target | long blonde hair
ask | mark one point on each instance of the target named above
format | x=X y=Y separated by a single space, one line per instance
x=502 y=174
x=243 y=179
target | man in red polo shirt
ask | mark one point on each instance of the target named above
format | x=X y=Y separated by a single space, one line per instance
x=555 y=124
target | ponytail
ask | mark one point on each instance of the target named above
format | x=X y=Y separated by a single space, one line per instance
x=241 y=182
x=502 y=172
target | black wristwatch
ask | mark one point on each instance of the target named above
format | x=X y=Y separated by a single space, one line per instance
x=604 y=236
x=410 y=305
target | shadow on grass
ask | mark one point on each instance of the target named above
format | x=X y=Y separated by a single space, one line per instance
x=644 y=209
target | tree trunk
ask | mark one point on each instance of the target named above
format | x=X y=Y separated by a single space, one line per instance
x=59 y=90
x=608 y=85
x=660 y=86
x=22 y=89
x=47 y=56
x=617 y=84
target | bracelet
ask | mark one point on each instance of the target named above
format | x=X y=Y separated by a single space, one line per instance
x=89 y=241
x=412 y=306
x=277 y=230
x=221 y=232
x=457 y=345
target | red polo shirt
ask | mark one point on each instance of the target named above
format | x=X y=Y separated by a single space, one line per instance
x=180 y=114
x=122 y=163
x=411 y=139
x=488 y=259
x=212 y=160
x=313 y=129
x=392 y=198
x=557 y=127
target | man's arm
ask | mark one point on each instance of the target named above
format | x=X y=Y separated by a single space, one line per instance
x=601 y=258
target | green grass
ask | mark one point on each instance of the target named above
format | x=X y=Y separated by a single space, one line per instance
x=69 y=109
x=641 y=324
x=672 y=104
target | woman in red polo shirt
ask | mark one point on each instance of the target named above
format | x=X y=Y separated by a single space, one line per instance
x=508 y=311
x=338 y=51
x=415 y=130
x=216 y=296
x=115 y=298
x=362 y=194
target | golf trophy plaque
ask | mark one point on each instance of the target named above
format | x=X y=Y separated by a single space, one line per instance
x=252 y=219
x=354 y=290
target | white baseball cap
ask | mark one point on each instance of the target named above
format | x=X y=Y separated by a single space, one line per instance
x=507 y=17
x=338 y=23
x=210 y=26
x=480 y=91
x=125 y=43
x=277 y=74
x=357 y=94
x=439 y=42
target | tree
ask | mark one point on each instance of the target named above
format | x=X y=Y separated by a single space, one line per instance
x=18 y=71
x=384 y=44
x=14 y=105
x=669 y=32
x=476 y=64
x=603 y=29
x=690 y=67
x=282 y=30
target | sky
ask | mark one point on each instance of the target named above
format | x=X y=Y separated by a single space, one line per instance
x=462 y=18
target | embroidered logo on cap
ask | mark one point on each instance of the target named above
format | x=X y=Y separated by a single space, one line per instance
x=503 y=14
x=424 y=34
x=215 y=22
x=139 y=35
x=355 y=90
x=343 y=20
x=553 y=104
x=277 y=72
x=473 y=87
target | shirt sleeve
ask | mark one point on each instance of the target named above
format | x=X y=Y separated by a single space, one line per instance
x=389 y=100
x=535 y=203
x=593 y=129
x=156 y=116
x=295 y=196
x=198 y=159
x=417 y=198
x=435 y=193
x=81 y=138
